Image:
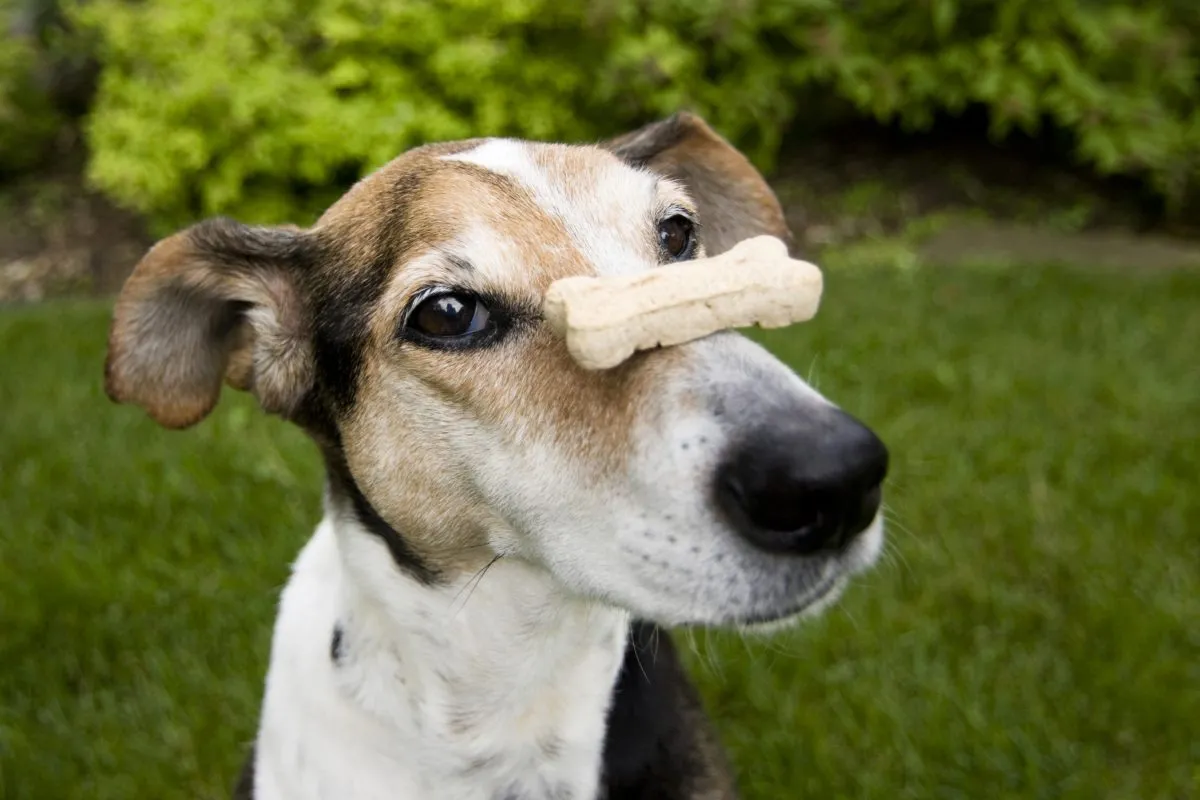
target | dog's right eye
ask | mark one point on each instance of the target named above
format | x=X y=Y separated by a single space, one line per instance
x=449 y=316
x=677 y=237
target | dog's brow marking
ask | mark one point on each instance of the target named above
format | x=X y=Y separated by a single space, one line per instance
x=343 y=485
x=606 y=189
x=458 y=262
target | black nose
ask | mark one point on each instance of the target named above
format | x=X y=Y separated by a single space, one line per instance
x=804 y=484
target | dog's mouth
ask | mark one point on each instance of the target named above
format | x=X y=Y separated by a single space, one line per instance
x=820 y=591
x=824 y=593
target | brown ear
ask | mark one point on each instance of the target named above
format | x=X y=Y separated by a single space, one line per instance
x=734 y=199
x=217 y=301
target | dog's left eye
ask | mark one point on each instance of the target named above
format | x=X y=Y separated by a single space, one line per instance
x=449 y=315
x=676 y=236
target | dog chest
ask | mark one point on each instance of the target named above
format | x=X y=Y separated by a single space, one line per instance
x=486 y=707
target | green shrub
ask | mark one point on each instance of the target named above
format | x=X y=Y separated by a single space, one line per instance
x=28 y=118
x=266 y=109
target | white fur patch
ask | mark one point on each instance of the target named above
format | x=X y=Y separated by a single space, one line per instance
x=494 y=687
x=497 y=685
x=609 y=213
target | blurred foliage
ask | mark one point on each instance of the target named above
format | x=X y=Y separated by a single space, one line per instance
x=267 y=109
x=28 y=118
x=47 y=81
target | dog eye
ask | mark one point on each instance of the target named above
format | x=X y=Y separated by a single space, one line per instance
x=676 y=235
x=448 y=315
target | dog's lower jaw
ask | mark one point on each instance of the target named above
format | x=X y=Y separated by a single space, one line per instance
x=462 y=692
x=859 y=559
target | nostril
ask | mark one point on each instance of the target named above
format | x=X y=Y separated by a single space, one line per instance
x=769 y=502
x=781 y=514
x=773 y=511
x=800 y=492
x=731 y=488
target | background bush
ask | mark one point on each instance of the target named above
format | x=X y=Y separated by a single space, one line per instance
x=266 y=109
x=28 y=118
x=47 y=79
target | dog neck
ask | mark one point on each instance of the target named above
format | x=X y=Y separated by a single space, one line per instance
x=490 y=686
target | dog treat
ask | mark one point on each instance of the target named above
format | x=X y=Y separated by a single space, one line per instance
x=605 y=319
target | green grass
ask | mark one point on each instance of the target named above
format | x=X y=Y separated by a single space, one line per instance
x=1034 y=632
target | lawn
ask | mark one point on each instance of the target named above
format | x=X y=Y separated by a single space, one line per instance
x=1034 y=631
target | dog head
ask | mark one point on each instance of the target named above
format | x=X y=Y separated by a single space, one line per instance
x=703 y=483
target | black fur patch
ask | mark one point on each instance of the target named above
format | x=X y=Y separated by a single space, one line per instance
x=335 y=645
x=232 y=244
x=638 y=147
x=244 y=788
x=340 y=325
x=654 y=748
x=344 y=294
x=343 y=487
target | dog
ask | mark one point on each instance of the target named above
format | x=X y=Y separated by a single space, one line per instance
x=482 y=612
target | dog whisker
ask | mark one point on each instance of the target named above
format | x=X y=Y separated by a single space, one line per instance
x=637 y=657
x=713 y=658
x=811 y=377
x=474 y=582
x=778 y=647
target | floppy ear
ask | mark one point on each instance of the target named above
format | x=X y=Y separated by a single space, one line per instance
x=219 y=301
x=734 y=199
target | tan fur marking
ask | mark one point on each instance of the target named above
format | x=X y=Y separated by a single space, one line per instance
x=735 y=201
x=200 y=309
x=176 y=337
x=525 y=386
x=123 y=382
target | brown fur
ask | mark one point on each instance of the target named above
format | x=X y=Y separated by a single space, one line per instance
x=735 y=202
x=177 y=332
x=279 y=311
x=528 y=386
x=307 y=320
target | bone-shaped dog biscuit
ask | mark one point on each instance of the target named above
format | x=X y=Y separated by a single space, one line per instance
x=605 y=319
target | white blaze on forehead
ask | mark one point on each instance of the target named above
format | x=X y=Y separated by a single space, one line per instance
x=608 y=208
